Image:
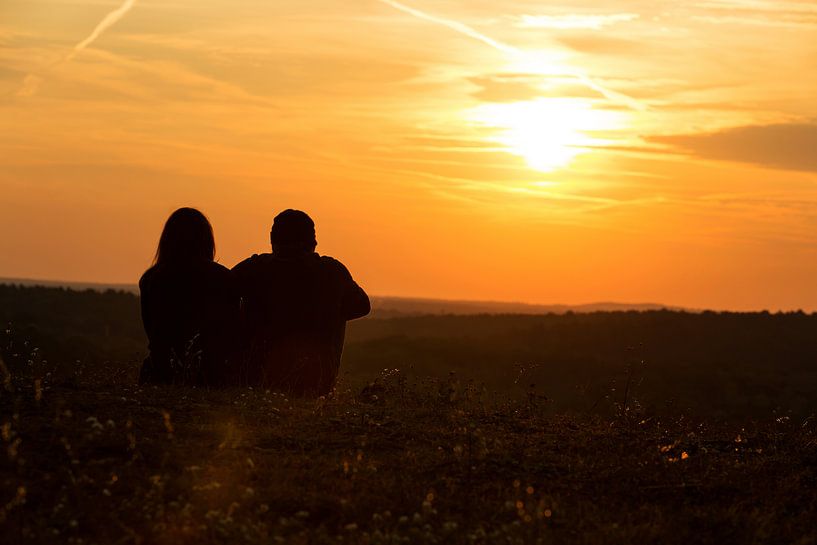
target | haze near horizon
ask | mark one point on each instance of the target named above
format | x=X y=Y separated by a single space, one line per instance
x=559 y=153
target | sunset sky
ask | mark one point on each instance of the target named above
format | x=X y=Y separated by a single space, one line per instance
x=547 y=152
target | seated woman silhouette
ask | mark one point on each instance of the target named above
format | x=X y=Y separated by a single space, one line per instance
x=190 y=306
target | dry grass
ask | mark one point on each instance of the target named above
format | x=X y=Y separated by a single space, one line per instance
x=90 y=461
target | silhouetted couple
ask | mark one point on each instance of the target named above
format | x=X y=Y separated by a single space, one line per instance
x=276 y=320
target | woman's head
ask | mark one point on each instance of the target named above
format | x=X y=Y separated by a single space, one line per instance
x=187 y=236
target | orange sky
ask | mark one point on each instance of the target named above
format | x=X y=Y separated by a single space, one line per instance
x=558 y=152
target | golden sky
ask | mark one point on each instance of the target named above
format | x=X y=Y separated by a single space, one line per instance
x=521 y=150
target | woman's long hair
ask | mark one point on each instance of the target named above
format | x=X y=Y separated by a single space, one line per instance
x=187 y=236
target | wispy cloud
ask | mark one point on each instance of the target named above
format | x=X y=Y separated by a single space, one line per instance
x=574 y=21
x=782 y=146
x=758 y=20
x=107 y=22
x=516 y=53
x=457 y=26
x=775 y=6
x=32 y=82
x=764 y=13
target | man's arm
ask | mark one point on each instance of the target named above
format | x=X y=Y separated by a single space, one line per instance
x=354 y=303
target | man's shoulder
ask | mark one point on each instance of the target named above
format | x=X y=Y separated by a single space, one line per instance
x=255 y=260
x=329 y=261
x=334 y=265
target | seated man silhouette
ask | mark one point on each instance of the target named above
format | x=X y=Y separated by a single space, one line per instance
x=296 y=305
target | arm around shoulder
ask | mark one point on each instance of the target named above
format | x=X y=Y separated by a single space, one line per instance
x=241 y=268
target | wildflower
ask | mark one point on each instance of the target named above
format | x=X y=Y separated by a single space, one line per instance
x=168 y=423
x=13 y=448
x=94 y=422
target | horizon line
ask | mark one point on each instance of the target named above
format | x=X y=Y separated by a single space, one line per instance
x=134 y=288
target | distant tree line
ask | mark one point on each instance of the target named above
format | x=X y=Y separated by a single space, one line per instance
x=722 y=363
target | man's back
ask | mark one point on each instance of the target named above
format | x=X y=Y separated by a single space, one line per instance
x=296 y=309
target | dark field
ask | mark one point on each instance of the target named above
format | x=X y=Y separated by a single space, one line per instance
x=656 y=427
x=431 y=463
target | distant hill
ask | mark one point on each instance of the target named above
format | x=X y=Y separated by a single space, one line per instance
x=79 y=286
x=405 y=306
x=393 y=307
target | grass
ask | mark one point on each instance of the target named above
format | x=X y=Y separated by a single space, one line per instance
x=95 y=459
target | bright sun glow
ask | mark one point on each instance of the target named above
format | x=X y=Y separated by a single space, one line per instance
x=547 y=132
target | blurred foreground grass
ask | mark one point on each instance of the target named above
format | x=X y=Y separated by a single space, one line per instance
x=93 y=459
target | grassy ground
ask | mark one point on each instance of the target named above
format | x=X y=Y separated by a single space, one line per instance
x=85 y=460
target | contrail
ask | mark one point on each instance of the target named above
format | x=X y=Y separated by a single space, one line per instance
x=453 y=25
x=462 y=28
x=111 y=19
x=32 y=82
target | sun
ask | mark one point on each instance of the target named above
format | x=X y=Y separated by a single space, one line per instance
x=547 y=132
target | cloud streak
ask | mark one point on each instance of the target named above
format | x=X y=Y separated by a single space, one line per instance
x=517 y=53
x=782 y=146
x=462 y=28
x=567 y=22
x=32 y=82
x=107 y=22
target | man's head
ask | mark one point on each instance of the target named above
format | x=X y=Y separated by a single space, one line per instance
x=293 y=232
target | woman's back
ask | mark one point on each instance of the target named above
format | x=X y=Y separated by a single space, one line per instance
x=189 y=311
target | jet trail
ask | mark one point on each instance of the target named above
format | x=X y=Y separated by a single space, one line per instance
x=111 y=19
x=462 y=28
x=453 y=25
x=32 y=82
